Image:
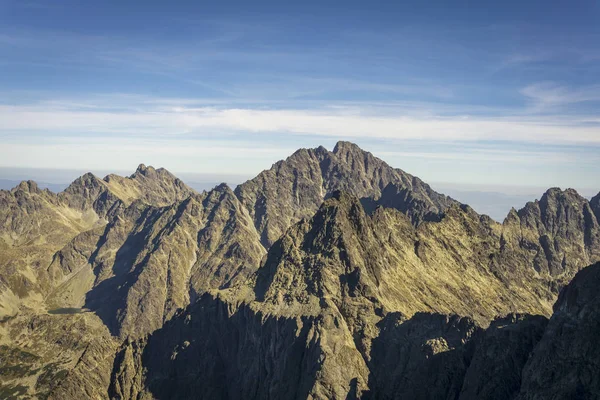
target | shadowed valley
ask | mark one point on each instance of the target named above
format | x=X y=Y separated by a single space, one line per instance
x=330 y=275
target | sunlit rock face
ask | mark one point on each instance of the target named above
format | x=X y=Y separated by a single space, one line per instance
x=330 y=275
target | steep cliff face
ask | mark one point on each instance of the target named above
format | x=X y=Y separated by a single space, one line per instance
x=557 y=235
x=295 y=188
x=42 y=354
x=132 y=264
x=338 y=303
x=313 y=312
x=373 y=286
x=149 y=262
x=222 y=351
x=425 y=357
x=595 y=206
x=565 y=364
x=35 y=224
x=448 y=266
x=500 y=355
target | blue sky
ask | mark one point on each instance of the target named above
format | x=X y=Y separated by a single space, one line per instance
x=468 y=93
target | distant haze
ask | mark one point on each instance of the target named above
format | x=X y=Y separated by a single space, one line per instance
x=496 y=202
x=482 y=93
x=58 y=179
x=493 y=201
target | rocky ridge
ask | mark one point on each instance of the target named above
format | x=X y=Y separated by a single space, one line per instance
x=35 y=224
x=565 y=363
x=295 y=188
x=374 y=286
x=331 y=303
x=148 y=247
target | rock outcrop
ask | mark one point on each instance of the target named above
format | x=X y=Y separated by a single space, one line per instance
x=566 y=362
x=333 y=305
x=331 y=275
x=222 y=351
x=424 y=357
x=500 y=355
x=35 y=224
x=558 y=235
x=447 y=267
x=119 y=253
x=295 y=188
x=147 y=263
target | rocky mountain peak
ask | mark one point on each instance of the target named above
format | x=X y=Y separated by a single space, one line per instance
x=144 y=172
x=87 y=180
x=295 y=188
x=143 y=169
x=513 y=215
x=223 y=187
x=219 y=193
x=330 y=275
x=149 y=172
x=156 y=173
x=554 y=209
x=88 y=191
x=343 y=252
x=557 y=195
x=290 y=274
x=343 y=147
x=559 y=233
x=595 y=205
x=154 y=186
x=27 y=186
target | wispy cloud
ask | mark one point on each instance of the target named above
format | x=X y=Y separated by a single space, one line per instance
x=490 y=155
x=172 y=117
x=205 y=156
x=513 y=61
x=117 y=94
x=550 y=96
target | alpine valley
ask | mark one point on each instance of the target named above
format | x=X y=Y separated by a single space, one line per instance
x=331 y=275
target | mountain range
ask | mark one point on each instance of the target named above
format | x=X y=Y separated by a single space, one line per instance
x=329 y=275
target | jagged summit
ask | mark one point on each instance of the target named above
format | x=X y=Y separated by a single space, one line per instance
x=555 y=191
x=27 y=186
x=149 y=169
x=343 y=251
x=87 y=180
x=595 y=205
x=373 y=286
x=222 y=187
x=555 y=195
x=294 y=188
x=558 y=234
x=150 y=172
x=142 y=168
x=345 y=147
